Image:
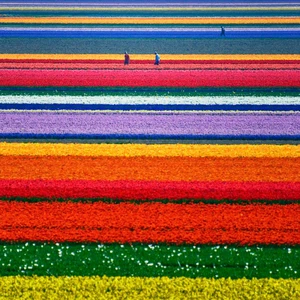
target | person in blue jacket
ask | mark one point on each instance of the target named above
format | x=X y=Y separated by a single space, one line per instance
x=222 y=31
x=126 y=58
x=157 y=59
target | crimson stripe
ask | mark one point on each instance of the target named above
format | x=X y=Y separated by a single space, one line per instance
x=151 y=78
x=148 y=66
x=175 y=62
x=150 y=190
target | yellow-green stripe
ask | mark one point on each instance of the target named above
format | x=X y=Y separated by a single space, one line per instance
x=16 y=287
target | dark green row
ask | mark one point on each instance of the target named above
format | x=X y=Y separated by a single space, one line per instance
x=65 y=259
x=149 y=142
x=149 y=45
x=148 y=91
x=149 y=13
x=180 y=201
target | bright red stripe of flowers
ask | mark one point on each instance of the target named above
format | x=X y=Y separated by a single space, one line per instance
x=116 y=66
x=148 y=78
x=133 y=61
x=150 y=190
x=150 y=222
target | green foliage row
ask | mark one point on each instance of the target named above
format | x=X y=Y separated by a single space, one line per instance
x=180 y=201
x=151 y=260
x=120 y=91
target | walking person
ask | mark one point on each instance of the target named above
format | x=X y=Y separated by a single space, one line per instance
x=157 y=59
x=222 y=31
x=126 y=58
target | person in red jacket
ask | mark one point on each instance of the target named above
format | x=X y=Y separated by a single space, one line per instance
x=126 y=58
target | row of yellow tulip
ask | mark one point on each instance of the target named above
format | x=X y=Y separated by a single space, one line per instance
x=144 y=150
x=17 y=287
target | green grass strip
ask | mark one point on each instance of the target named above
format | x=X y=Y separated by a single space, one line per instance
x=150 y=142
x=69 y=259
x=136 y=201
x=160 y=91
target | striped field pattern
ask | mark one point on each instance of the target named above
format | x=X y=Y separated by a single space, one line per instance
x=141 y=181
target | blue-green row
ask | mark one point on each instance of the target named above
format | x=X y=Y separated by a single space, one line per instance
x=148 y=91
x=149 y=45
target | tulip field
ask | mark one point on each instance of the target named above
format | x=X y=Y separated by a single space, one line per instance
x=140 y=181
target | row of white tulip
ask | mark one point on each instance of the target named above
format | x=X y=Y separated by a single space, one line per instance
x=150 y=100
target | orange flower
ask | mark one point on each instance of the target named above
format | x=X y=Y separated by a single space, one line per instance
x=151 y=222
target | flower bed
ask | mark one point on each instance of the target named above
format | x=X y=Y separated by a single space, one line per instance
x=151 y=223
x=151 y=78
x=150 y=125
x=143 y=191
x=179 y=180
x=148 y=64
x=150 y=260
x=164 y=21
x=147 y=287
